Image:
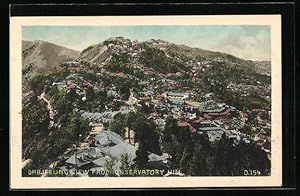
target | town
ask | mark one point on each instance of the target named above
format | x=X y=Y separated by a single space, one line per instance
x=160 y=96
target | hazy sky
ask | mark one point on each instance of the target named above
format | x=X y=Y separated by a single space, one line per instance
x=247 y=42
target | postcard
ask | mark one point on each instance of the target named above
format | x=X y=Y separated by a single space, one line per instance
x=145 y=101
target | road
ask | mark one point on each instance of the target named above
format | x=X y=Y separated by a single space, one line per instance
x=49 y=107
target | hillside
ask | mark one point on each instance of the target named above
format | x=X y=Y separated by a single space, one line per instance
x=243 y=83
x=160 y=53
x=158 y=99
x=263 y=67
x=43 y=57
x=25 y=44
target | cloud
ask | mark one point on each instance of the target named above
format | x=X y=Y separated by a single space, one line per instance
x=244 y=42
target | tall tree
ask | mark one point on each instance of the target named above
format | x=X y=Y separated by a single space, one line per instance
x=199 y=165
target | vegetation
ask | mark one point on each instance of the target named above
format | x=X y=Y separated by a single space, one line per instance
x=38 y=83
x=27 y=50
x=45 y=139
x=155 y=58
x=42 y=143
x=125 y=165
x=35 y=117
x=176 y=142
x=118 y=124
x=122 y=63
x=108 y=166
x=231 y=160
x=146 y=134
x=48 y=144
x=216 y=78
x=88 y=48
x=243 y=103
x=194 y=155
x=107 y=42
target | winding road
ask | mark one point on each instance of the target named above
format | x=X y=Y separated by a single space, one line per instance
x=49 y=107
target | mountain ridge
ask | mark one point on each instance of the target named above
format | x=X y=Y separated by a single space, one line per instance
x=101 y=52
x=176 y=88
x=43 y=57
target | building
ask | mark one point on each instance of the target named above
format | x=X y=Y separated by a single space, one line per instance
x=84 y=157
x=173 y=95
x=222 y=112
x=72 y=66
x=108 y=146
x=213 y=130
x=184 y=124
x=129 y=136
x=104 y=117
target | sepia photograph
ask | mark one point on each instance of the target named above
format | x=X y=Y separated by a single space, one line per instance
x=188 y=100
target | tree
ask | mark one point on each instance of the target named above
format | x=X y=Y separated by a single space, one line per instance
x=199 y=165
x=186 y=157
x=62 y=138
x=170 y=128
x=38 y=83
x=78 y=126
x=147 y=108
x=178 y=143
x=146 y=131
x=90 y=94
x=145 y=134
x=155 y=58
x=141 y=158
x=118 y=124
x=124 y=91
x=125 y=164
x=109 y=167
x=35 y=120
x=219 y=161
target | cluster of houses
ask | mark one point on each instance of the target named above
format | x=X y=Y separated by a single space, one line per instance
x=215 y=119
x=263 y=138
x=261 y=90
x=104 y=117
x=108 y=148
x=71 y=83
x=197 y=117
x=209 y=117
x=72 y=66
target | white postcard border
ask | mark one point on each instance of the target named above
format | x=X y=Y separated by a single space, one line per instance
x=19 y=182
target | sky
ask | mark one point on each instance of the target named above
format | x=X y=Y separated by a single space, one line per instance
x=249 y=42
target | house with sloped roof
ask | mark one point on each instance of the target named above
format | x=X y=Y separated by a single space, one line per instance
x=214 y=132
x=103 y=117
x=84 y=157
x=212 y=114
x=108 y=146
x=175 y=95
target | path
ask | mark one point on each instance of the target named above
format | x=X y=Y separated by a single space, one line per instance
x=49 y=107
